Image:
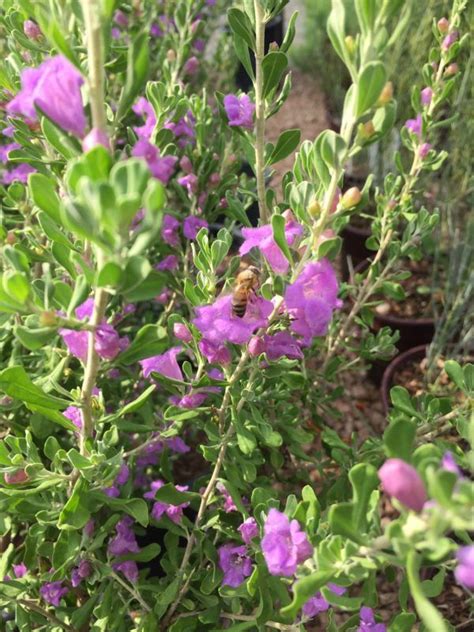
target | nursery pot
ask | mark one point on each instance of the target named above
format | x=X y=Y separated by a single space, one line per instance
x=273 y=33
x=413 y=331
x=415 y=354
x=354 y=248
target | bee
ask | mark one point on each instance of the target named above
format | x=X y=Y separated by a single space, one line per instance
x=246 y=283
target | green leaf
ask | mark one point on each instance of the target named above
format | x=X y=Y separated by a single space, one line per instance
x=304 y=589
x=17 y=286
x=366 y=11
x=246 y=440
x=341 y=521
x=369 y=86
x=364 y=480
x=286 y=144
x=455 y=373
x=136 y=404
x=75 y=514
x=342 y=601
x=399 y=439
x=332 y=148
x=403 y=622
x=111 y=275
x=43 y=193
x=34 y=339
x=15 y=382
x=402 y=401
x=135 y=507
x=241 y=26
x=170 y=495
x=336 y=29
x=273 y=65
x=149 y=341
x=430 y=615
x=137 y=73
x=144 y=555
x=278 y=227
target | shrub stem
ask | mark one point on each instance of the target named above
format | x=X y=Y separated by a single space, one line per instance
x=92 y=18
x=260 y=112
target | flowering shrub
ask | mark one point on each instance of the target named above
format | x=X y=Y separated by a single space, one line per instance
x=145 y=419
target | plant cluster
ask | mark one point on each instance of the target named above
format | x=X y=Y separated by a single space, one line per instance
x=165 y=363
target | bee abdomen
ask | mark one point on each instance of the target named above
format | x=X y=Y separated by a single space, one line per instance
x=239 y=308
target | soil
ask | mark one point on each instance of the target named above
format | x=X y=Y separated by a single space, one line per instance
x=418 y=293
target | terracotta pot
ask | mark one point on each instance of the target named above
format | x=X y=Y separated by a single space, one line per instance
x=413 y=331
x=415 y=354
x=274 y=32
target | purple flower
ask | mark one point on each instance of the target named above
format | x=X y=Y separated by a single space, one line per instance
x=189 y=181
x=94 y=138
x=53 y=592
x=235 y=564
x=19 y=174
x=192 y=225
x=82 y=571
x=182 y=332
x=54 y=87
x=191 y=400
x=89 y=529
x=282 y=344
x=169 y=230
x=174 y=512
x=464 y=571
x=256 y=346
x=229 y=504
x=19 y=570
x=199 y=45
x=176 y=444
x=248 y=530
x=449 y=464
x=215 y=353
x=426 y=96
x=115 y=33
x=311 y=300
x=262 y=238
x=402 y=481
x=129 y=569
x=74 y=414
x=124 y=542
x=144 y=108
x=108 y=343
x=31 y=30
x=318 y=604
x=284 y=544
x=121 y=18
x=219 y=325
x=183 y=129
x=161 y=167
x=168 y=263
x=415 y=125
x=239 y=110
x=165 y=364
x=367 y=622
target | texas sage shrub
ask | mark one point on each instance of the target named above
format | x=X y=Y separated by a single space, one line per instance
x=165 y=363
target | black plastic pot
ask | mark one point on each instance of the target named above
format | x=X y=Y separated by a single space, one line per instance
x=354 y=248
x=415 y=354
x=274 y=32
x=413 y=331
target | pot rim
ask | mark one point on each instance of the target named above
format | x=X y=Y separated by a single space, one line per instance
x=419 y=351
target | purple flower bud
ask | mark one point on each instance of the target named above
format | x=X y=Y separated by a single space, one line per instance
x=169 y=230
x=81 y=572
x=19 y=570
x=415 y=125
x=248 y=530
x=189 y=181
x=95 y=137
x=89 y=529
x=256 y=346
x=449 y=40
x=443 y=25
x=423 y=150
x=170 y=262
x=121 y=18
x=192 y=225
x=32 y=30
x=464 y=571
x=214 y=179
x=426 y=96
x=182 y=332
x=129 y=569
x=186 y=164
x=402 y=481
x=191 y=66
